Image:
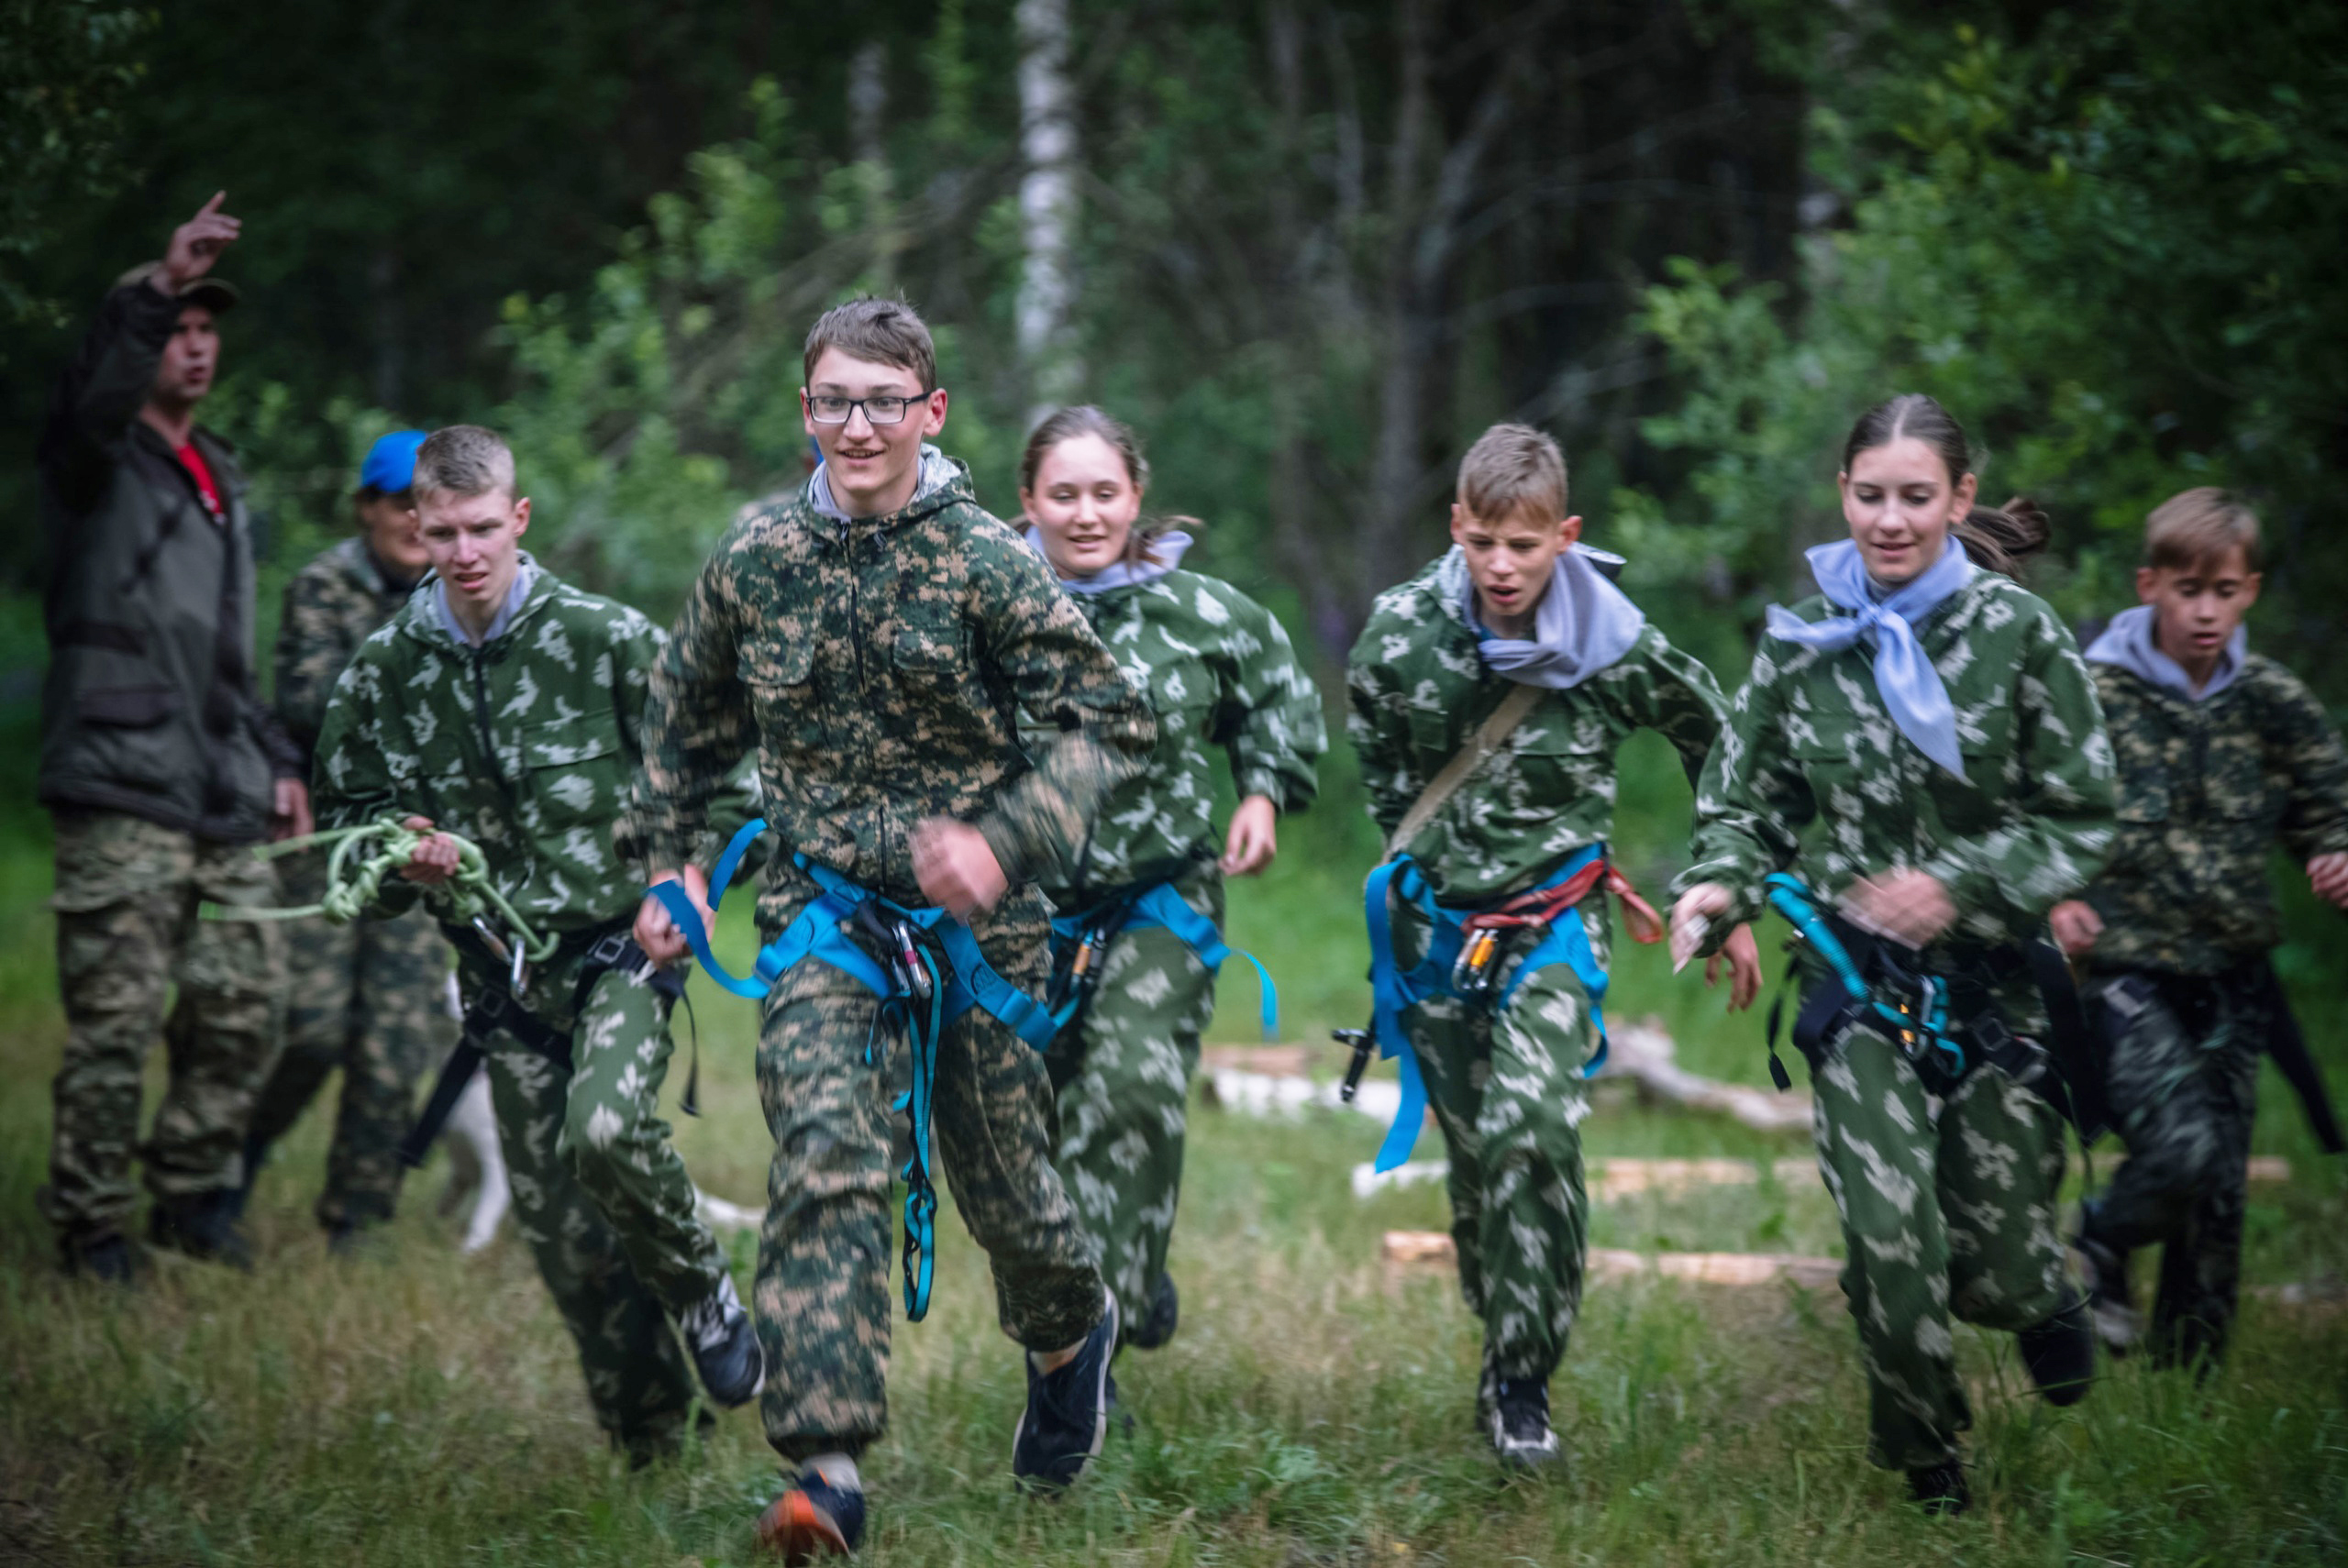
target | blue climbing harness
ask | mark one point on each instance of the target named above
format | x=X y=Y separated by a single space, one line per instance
x=934 y=973
x=1158 y=907
x=1393 y=989
x=1917 y=1022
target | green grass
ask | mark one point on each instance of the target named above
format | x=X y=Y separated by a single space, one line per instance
x=424 y=1409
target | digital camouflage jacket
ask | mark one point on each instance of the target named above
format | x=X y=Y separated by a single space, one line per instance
x=1219 y=671
x=2206 y=789
x=1811 y=773
x=331 y=607
x=878 y=667
x=1418 y=690
x=525 y=745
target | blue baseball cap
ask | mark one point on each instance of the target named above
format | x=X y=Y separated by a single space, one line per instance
x=391 y=462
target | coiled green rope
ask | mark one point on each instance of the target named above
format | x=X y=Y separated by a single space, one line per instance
x=362 y=856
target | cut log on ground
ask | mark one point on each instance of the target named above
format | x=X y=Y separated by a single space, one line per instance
x=1617 y=1263
x=1643 y=1053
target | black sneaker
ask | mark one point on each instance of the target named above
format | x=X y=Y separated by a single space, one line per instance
x=203 y=1227
x=1520 y=1427
x=1067 y=1419
x=1159 y=1323
x=725 y=1346
x=814 y=1519
x=1941 y=1489
x=110 y=1258
x=2060 y=1354
x=2105 y=1270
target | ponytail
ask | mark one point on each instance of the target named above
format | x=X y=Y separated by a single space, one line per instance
x=2000 y=538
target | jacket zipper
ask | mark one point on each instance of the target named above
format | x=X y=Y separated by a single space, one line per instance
x=489 y=740
x=854 y=607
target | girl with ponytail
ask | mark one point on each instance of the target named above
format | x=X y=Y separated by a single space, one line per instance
x=1917 y=772
x=1136 y=946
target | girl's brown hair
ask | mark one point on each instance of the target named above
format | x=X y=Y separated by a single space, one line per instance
x=1997 y=538
x=1083 y=419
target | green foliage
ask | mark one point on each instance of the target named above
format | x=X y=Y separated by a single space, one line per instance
x=2108 y=248
x=67 y=68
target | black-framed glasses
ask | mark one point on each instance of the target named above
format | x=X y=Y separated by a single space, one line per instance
x=890 y=409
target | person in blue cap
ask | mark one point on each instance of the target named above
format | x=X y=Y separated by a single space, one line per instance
x=366 y=996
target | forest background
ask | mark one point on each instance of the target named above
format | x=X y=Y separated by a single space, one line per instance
x=1311 y=248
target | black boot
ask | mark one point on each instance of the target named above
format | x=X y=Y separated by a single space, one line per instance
x=1157 y=1323
x=2060 y=1354
x=203 y=1227
x=109 y=1257
x=2117 y=1324
x=1940 y=1488
x=1520 y=1429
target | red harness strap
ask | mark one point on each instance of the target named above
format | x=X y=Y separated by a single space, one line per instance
x=1544 y=905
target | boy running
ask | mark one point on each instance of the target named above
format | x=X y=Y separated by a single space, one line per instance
x=506 y=705
x=872 y=637
x=2221 y=753
x=1514 y=615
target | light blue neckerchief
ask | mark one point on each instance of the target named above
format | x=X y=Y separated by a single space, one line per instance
x=1168 y=546
x=1583 y=623
x=2130 y=643
x=1911 y=688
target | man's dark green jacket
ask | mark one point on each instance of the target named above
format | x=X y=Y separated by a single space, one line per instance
x=151 y=705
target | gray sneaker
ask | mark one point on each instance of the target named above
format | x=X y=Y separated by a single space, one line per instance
x=725 y=1346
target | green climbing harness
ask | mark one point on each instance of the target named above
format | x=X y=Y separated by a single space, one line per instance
x=361 y=856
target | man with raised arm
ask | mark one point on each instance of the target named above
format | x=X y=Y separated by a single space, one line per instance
x=161 y=767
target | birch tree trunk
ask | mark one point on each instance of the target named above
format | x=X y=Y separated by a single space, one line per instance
x=1047 y=205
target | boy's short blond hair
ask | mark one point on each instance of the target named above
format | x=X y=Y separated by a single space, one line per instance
x=2201 y=528
x=463 y=460
x=1513 y=467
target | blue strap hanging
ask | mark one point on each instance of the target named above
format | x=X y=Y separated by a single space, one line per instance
x=1162 y=907
x=1393 y=989
x=965 y=980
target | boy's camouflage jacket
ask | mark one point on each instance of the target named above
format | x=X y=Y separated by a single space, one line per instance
x=1810 y=743
x=1418 y=688
x=1219 y=670
x=331 y=607
x=2206 y=788
x=525 y=745
x=878 y=667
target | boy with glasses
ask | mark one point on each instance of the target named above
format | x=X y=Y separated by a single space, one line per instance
x=873 y=636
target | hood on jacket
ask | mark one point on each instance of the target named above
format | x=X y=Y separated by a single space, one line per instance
x=2130 y=643
x=1583 y=623
x=938 y=471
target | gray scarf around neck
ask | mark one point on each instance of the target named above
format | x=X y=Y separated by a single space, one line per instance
x=525 y=573
x=936 y=474
x=1582 y=625
x=1167 y=547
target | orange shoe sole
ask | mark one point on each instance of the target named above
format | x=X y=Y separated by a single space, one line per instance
x=795 y=1529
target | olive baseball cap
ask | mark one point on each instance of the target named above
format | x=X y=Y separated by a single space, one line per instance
x=216 y=294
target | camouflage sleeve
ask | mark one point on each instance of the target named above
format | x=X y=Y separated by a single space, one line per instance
x=696 y=726
x=2300 y=736
x=1380 y=729
x=635 y=648
x=1752 y=800
x=355 y=779
x=1672 y=693
x=311 y=653
x=1280 y=734
x=2058 y=820
x=1054 y=668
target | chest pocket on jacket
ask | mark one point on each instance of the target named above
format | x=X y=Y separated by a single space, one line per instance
x=781 y=681
x=928 y=653
x=576 y=772
x=1563 y=753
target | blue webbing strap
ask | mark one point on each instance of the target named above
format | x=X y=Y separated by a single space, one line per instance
x=964 y=981
x=1162 y=908
x=1794 y=902
x=1565 y=942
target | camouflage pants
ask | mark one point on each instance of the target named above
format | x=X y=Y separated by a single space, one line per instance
x=599 y=1193
x=1943 y=1211
x=126 y=929
x=368 y=998
x=826 y=1249
x=1508 y=1093
x=1121 y=1082
x=2185 y=1094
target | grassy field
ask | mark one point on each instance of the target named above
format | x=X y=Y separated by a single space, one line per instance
x=417 y=1408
